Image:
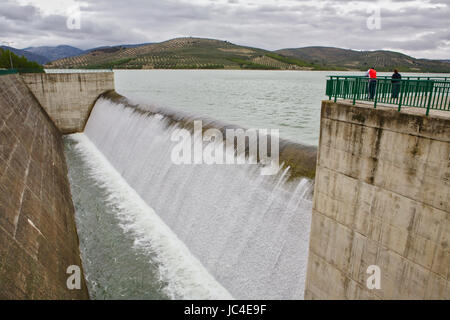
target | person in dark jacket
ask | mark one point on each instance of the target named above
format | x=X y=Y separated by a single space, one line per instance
x=396 y=83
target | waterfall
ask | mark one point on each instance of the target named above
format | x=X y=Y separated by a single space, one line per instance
x=250 y=232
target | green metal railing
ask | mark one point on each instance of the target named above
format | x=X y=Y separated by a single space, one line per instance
x=7 y=71
x=430 y=93
x=20 y=70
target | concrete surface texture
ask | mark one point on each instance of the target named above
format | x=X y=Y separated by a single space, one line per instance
x=38 y=238
x=69 y=98
x=381 y=198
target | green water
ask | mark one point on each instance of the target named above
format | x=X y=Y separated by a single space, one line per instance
x=113 y=266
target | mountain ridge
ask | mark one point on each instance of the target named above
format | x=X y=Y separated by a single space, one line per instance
x=199 y=53
x=204 y=53
x=53 y=53
x=183 y=53
x=382 y=60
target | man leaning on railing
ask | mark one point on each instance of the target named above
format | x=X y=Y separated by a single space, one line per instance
x=372 y=74
x=396 y=83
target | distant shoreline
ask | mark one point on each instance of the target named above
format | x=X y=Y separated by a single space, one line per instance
x=236 y=69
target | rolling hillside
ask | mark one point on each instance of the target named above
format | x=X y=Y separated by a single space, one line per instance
x=362 y=60
x=199 y=53
x=55 y=53
x=183 y=53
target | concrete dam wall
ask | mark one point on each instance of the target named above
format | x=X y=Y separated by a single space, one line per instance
x=69 y=98
x=381 y=198
x=38 y=238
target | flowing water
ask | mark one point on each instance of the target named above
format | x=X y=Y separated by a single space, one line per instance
x=128 y=252
x=234 y=232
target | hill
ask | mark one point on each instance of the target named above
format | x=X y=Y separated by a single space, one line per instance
x=183 y=53
x=362 y=60
x=199 y=53
x=121 y=45
x=55 y=53
x=18 y=62
x=28 y=55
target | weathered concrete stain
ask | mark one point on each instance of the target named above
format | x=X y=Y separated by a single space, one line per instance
x=392 y=210
x=38 y=238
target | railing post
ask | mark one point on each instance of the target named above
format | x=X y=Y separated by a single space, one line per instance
x=329 y=88
x=430 y=98
x=337 y=90
x=358 y=92
x=376 y=95
x=447 y=97
x=401 y=96
x=355 y=86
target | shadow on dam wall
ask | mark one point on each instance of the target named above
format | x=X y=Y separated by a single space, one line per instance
x=38 y=237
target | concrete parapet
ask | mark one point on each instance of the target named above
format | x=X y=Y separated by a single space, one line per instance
x=68 y=98
x=381 y=198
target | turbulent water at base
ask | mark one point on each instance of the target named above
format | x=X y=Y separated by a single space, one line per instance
x=127 y=250
x=237 y=232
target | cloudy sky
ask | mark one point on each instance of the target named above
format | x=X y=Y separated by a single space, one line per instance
x=420 y=28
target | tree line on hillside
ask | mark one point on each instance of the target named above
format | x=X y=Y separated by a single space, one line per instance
x=17 y=62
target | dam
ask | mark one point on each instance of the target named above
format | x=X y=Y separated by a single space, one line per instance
x=214 y=231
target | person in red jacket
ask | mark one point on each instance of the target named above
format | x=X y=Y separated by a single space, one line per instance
x=372 y=74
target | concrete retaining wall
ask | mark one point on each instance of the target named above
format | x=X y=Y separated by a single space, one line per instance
x=381 y=197
x=38 y=238
x=69 y=98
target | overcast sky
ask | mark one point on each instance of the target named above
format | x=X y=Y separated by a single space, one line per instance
x=420 y=28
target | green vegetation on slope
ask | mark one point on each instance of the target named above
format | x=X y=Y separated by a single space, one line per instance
x=181 y=53
x=18 y=62
x=288 y=60
x=199 y=53
x=344 y=59
x=301 y=63
x=246 y=64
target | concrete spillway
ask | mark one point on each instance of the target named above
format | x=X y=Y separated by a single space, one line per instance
x=249 y=231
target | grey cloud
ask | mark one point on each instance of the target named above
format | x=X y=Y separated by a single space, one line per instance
x=13 y=11
x=271 y=26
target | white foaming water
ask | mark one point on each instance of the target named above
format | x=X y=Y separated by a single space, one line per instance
x=249 y=231
x=185 y=276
